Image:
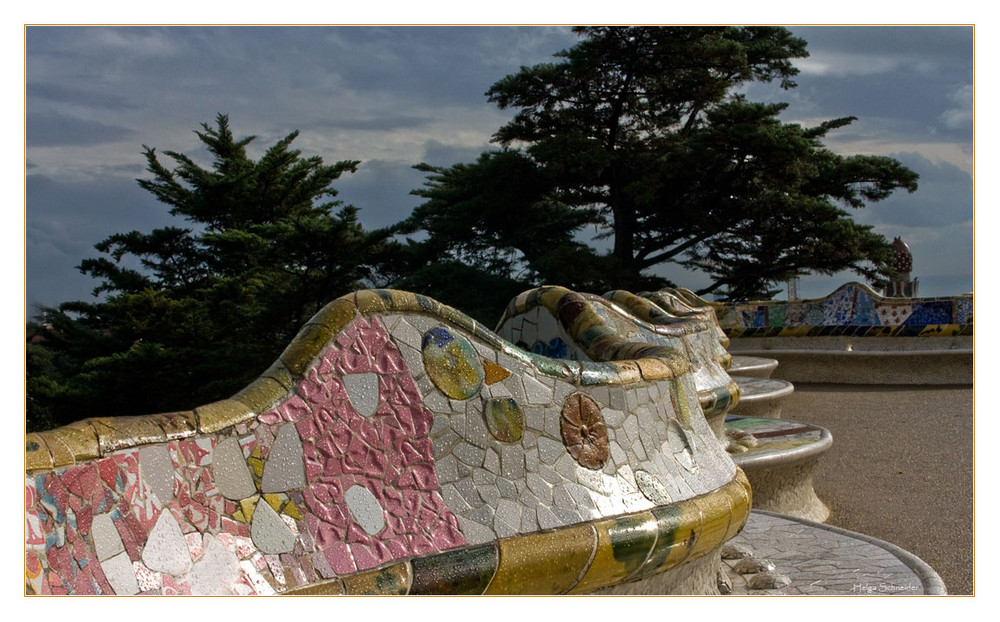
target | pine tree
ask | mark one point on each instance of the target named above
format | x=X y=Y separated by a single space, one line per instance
x=641 y=133
x=192 y=313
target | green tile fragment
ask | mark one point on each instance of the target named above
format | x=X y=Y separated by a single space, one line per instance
x=458 y=572
x=504 y=419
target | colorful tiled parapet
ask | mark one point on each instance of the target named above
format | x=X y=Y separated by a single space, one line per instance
x=556 y=322
x=396 y=447
x=853 y=309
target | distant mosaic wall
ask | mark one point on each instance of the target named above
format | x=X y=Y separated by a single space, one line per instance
x=852 y=310
x=396 y=447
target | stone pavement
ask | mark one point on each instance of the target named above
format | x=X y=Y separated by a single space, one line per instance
x=900 y=469
x=822 y=560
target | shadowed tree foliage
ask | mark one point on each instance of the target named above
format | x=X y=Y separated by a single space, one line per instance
x=499 y=224
x=639 y=132
x=192 y=313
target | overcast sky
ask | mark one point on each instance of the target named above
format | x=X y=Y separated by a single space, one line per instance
x=396 y=96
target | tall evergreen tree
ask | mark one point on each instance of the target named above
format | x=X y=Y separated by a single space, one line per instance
x=192 y=313
x=639 y=131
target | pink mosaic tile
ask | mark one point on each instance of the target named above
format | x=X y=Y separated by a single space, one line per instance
x=341 y=448
x=388 y=454
x=34 y=536
x=147 y=579
x=34 y=573
x=175 y=587
x=138 y=496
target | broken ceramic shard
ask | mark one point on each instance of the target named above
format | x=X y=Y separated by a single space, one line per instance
x=284 y=469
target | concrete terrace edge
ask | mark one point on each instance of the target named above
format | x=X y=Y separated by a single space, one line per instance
x=908 y=367
x=752 y=366
x=932 y=582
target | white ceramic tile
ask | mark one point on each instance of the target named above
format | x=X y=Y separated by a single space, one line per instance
x=216 y=571
x=492 y=461
x=158 y=471
x=166 y=549
x=613 y=418
x=446 y=469
x=507 y=521
x=284 y=469
x=269 y=533
x=546 y=518
x=407 y=334
x=454 y=499
x=365 y=509
x=107 y=541
x=120 y=574
x=512 y=461
x=535 y=391
x=474 y=532
x=230 y=470
x=362 y=391
x=508 y=489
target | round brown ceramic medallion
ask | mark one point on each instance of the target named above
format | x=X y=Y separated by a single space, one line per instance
x=584 y=432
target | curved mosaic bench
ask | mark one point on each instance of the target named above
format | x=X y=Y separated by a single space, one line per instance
x=761 y=397
x=396 y=446
x=779 y=460
x=853 y=309
x=641 y=311
x=780 y=463
x=556 y=322
x=680 y=300
x=685 y=303
x=752 y=366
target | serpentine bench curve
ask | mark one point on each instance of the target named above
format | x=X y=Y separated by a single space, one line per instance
x=778 y=457
x=556 y=322
x=395 y=447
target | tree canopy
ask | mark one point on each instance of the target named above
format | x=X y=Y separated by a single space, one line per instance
x=192 y=313
x=640 y=133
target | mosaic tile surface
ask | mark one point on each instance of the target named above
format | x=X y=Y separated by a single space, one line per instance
x=854 y=309
x=396 y=447
x=623 y=327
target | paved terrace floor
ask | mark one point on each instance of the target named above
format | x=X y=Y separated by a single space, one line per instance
x=900 y=469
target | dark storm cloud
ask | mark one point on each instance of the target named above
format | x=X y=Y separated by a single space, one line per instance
x=381 y=190
x=893 y=103
x=440 y=154
x=928 y=47
x=432 y=65
x=436 y=64
x=944 y=197
x=60 y=94
x=65 y=221
x=917 y=78
x=380 y=124
x=56 y=130
x=396 y=96
x=274 y=79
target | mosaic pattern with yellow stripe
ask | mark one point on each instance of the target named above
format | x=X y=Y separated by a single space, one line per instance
x=396 y=447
